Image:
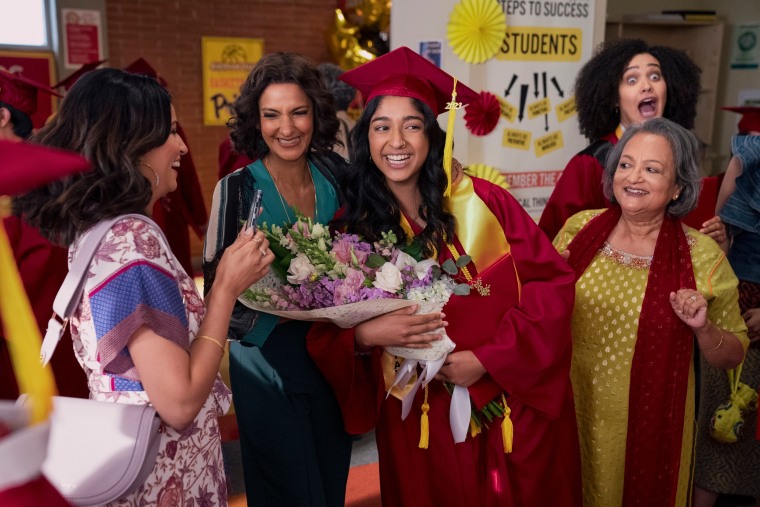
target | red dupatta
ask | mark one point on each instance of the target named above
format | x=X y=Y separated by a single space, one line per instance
x=661 y=362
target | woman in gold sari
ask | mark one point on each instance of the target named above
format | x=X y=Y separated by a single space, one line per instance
x=646 y=286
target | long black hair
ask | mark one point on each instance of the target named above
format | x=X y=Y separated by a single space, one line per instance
x=112 y=118
x=371 y=208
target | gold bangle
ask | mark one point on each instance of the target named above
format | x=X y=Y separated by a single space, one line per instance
x=214 y=340
x=719 y=343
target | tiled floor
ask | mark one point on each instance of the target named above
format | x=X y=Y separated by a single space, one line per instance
x=363 y=489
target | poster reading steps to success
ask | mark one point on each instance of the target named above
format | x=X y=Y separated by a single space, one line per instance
x=545 y=43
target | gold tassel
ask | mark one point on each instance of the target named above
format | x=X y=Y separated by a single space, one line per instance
x=448 y=147
x=424 y=424
x=474 y=429
x=507 y=431
x=23 y=336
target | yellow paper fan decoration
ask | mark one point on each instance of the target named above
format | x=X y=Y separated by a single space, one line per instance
x=476 y=30
x=486 y=172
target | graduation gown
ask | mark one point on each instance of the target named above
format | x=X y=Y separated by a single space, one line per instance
x=578 y=189
x=42 y=267
x=182 y=208
x=520 y=332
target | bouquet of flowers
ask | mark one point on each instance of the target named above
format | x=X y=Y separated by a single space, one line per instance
x=346 y=280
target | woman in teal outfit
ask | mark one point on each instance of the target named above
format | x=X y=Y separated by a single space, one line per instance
x=294 y=448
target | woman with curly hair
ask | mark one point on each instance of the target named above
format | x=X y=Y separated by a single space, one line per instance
x=141 y=332
x=294 y=448
x=625 y=83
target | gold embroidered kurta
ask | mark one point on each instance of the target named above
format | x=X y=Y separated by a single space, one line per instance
x=608 y=302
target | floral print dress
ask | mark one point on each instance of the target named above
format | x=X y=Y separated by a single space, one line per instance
x=133 y=281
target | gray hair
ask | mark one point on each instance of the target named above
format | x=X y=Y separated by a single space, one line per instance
x=343 y=93
x=686 y=156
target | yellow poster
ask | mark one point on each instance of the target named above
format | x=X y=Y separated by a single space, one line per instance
x=227 y=62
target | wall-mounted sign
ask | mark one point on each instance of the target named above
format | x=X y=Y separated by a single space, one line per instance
x=82 y=37
x=226 y=64
x=38 y=66
x=745 y=46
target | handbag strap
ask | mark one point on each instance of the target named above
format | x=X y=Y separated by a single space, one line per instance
x=70 y=293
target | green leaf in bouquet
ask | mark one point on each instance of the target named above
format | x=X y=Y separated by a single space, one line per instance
x=435 y=269
x=375 y=261
x=413 y=249
x=462 y=289
x=279 y=251
x=463 y=260
x=280 y=266
x=450 y=267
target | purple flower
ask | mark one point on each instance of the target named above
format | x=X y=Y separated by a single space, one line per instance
x=344 y=244
x=348 y=290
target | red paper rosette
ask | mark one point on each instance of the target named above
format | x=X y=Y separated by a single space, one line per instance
x=482 y=115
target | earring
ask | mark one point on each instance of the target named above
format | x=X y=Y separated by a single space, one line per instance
x=154 y=171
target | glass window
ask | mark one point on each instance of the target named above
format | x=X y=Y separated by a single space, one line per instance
x=24 y=23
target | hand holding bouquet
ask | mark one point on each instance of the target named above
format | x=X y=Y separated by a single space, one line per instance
x=347 y=280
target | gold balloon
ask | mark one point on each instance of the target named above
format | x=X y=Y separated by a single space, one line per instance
x=344 y=44
x=376 y=13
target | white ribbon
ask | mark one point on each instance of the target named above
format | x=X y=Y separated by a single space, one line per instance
x=405 y=372
x=459 y=413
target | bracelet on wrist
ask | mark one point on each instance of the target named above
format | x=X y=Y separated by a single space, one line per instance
x=718 y=345
x=214 y=340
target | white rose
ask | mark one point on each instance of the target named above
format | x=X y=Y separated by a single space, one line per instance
x=403 y=260
x=388 y=278
x=300 y=269
x=422 y=267
x=318 y=231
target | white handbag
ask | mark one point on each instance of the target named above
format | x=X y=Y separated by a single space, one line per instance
x=98 y=451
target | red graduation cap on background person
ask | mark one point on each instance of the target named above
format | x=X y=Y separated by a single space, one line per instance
x=404 y=73
x=141 y=66
x=72 y=78
x=24 y=166
x=750 y=120
x=21 y=92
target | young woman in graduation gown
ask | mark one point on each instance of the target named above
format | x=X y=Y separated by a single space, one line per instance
x=512 y=332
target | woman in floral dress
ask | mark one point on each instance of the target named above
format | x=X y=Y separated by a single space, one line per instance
x=141 y=331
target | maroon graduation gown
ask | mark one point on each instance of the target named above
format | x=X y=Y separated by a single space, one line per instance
x=524 y=343
x=578 y=189
x=42 y=267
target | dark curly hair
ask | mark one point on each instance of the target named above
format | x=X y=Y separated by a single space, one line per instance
x=370 y=208
x=596 y=86
x=281 y=68
x=112 y=118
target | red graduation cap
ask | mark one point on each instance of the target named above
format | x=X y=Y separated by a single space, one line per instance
x=404 y=73
x=21 y=92
x=750 y=119
x=141 y=66
x=24 y=166
x=69 y=81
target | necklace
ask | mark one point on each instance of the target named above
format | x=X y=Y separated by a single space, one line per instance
x=282 y=201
